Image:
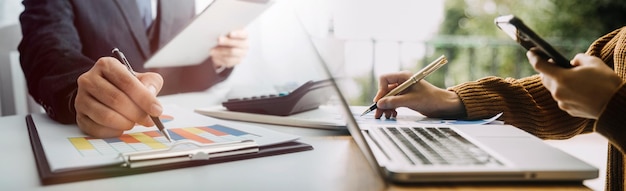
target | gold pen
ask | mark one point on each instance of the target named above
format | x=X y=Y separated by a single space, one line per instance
x=156 y=120
x=414 y=79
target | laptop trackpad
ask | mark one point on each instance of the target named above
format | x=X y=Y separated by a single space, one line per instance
x=528 y=152
x=520 y=148
x=493 y=131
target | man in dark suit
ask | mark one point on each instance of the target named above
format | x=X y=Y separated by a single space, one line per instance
x=65 y=55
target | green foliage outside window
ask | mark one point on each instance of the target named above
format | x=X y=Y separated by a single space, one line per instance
x=476 y=48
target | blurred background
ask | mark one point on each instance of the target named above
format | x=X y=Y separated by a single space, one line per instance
x=367 y=38
x=372 y=37
x=393 y=35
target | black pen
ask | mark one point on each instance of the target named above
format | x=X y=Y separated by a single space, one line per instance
x=156 y=120
x=414 y=79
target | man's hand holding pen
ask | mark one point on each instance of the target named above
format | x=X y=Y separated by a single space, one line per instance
x=110 y=100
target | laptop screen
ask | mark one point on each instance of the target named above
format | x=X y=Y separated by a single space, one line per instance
x=334 y=72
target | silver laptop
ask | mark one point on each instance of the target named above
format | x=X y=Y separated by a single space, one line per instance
x=449 y=153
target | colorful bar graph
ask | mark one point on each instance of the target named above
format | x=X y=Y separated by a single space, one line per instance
x=183 y=134
x=213 y=131
x=150 y=140
x=81 y=143
x=128 y=139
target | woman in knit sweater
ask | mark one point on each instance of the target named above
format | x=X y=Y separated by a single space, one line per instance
x=556 y=104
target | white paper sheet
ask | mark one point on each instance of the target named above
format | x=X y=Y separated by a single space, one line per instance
x=409 y=117
x=192 y=45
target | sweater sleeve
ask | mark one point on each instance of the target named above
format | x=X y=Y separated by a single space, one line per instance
x=525 y=103
x=611 y=122
x=612 y=49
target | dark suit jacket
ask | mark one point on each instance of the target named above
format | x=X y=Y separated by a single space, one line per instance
x=63 y=39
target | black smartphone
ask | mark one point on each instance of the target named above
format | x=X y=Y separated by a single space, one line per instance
x=516 y=29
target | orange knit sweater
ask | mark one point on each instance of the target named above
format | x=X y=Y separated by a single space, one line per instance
x=527 y=104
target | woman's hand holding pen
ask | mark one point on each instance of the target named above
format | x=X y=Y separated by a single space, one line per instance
x=230 y=49
x=423 y=97
x=110 y=100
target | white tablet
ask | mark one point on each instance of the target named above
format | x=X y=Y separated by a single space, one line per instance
x=192 y=45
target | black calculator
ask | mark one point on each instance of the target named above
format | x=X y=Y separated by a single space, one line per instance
x=308 y=96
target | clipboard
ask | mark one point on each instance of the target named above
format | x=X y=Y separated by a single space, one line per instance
x=47 y=176
x=219 y=18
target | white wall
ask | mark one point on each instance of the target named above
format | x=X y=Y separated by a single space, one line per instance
x=396 y=26
x=9 y=11
x=366 y=35
x=9 y=30
x=280 y=48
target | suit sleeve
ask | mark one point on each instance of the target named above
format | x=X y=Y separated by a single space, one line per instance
x=51 y=58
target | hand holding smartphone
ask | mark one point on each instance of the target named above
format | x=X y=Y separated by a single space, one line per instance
x=516 y=29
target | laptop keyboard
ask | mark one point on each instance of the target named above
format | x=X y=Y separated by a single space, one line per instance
x=437 y=146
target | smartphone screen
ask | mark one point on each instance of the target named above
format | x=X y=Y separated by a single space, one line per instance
x=518 y=31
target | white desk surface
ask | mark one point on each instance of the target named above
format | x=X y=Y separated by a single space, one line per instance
x=334 y=164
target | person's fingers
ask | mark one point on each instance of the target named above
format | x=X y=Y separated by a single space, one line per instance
x=225 y=41
x=378 y=113
x=88 y=107
x=583 y=59
x=109 y=98
x=228 y=52
x=387 y=112
x=104 y=93
x=227 y=62
x=383 y=91
x=117 y=74
x=92 y=128
x=542 y=65
x=227 y=57
x=387 y=82
x=392 y=102
x=388 y=115
x=238 y=34
x=152 y=81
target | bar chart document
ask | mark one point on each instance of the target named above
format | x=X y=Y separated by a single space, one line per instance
x=63 y=153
